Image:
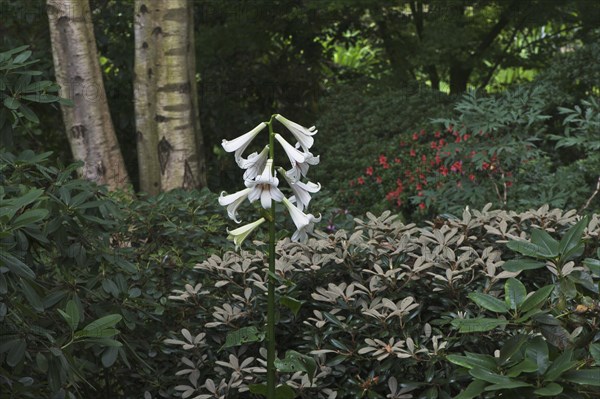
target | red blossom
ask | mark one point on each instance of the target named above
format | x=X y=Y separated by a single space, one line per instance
x=369 y=171
x=472 y=177
x=361 y=181
x=397 y=160
x=413 y=153
x=415 y=136
x=422 y=206
x=378 y=179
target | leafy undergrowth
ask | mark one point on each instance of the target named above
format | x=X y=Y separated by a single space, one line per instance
x=493 y=304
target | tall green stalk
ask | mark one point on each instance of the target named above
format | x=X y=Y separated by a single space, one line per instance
x=271 y=285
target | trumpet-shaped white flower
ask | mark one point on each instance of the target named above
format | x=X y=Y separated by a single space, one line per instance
x=239 y=144
x=301 y=190
x=254 y=164
x=304 y=222
x=293 y=154
x=264 y=186
x=302 y=134
x=300 y=169
x=233 y=201
x=239 y=235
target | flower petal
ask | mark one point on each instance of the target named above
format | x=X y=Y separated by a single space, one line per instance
x=293 y=154
x=302 y=134
x=239 y=235
x=239 y=144
x=233 y=201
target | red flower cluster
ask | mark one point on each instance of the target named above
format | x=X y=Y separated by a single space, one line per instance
x=422 y=163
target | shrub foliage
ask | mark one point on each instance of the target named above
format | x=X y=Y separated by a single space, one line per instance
x=491 y=304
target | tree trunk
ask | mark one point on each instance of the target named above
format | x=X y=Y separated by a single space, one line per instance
x=167 y=118
x=144 y=94
x=88 y=123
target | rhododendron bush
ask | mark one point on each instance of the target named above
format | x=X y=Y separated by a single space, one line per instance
x=491 y=304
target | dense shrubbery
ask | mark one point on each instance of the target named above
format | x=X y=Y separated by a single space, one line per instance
x=393 y=309
x=84 y=281
x=534 y=144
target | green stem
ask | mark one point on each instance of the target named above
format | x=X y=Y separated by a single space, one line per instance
x=271 y=286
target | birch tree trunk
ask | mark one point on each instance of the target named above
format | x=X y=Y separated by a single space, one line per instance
x=167 y=122
x=88 y=123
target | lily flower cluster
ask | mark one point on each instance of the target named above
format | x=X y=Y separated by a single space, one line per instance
x=260 y=178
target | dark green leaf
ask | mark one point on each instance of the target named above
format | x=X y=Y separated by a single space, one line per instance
x=11 y=103
x=512 y=346
x=560 y=365
x=572 y=237
x=16 y=266
x=514 y=293
x=477 y=325
x=32 y=296
x=291 y=303
x=537 y=298
x=243 y=336
x=29 y=217
x=295 y=361
x=593 y=265
x=551 y=389
x=109 y=356
x=473 y=360
x=16 y=353
x=525 y=366
x=537 y=350
x=517 y=265
x=545 y=240
x=474 y=389
x=488 y=302
x=585 y=377
x=530 y=249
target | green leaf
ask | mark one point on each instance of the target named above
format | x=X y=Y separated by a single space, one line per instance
x=16 y=352
x=551 y=389
x=514 y=293
x=109 y=356
x=37 y=86
x=488 y=302
x=295 y=361
x=479 y=324
x=572 y=237
x=473 y=360
x=507 y=385
x=242 y=336
x=281 y=392
x=585 y=377
x=489 y=376
x=525 y=366
x=474 y=389
x=560 y=365
x=595 y=353
x=517 y=265
x=29 y=114
x=11 y=103
x=16 y=266
x=291 y=303
x=21 y=58
x=530 y=249
x=537 y=350
x=105 y=322
x=546 y=241
x=512 y=346
x=73 y=312
x=32 y=296
x=593 y=265
x=537 y=298
x=29 y=217
x=41 y=98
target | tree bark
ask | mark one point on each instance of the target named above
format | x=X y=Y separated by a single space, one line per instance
x=88 y=123
x=167 y=118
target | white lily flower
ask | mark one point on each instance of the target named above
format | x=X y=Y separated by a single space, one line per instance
x=239 y=235
x=254 y=164
x=301 y=190
x=302 y=134
x=300 y=169
x=293 y=154
x=233 y=201
x=239 y=144
x=304 y=222
x=264 y=187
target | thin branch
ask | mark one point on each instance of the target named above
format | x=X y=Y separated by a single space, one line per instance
x=589 y=201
